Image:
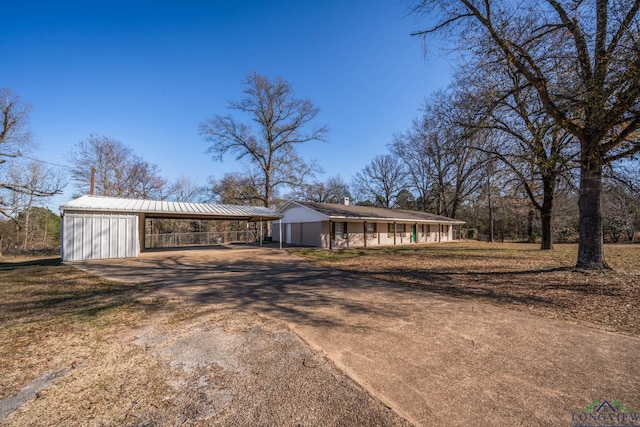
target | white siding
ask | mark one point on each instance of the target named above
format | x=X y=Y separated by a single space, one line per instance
x=287 y=234
x=302 y=214
x=96 y=236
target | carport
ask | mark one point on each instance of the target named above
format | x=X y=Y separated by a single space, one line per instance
x=97 y=227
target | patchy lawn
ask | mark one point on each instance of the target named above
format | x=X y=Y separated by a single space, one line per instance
x=79 y=350
x=56 y=321
x=516 y=276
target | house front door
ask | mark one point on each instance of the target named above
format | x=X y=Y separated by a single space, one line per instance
x=414 y=233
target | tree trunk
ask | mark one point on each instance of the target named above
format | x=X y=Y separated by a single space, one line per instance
x=547 y=240
x=590 y=248
x=546 y=214
x=267 y=231
x=491 y=230
x=27 y=217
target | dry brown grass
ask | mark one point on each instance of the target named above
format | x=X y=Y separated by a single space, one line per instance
x=116 y=352
x=54 y=318
x=516 y=276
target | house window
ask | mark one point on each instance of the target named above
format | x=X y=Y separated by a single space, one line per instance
x=339 y=230
x=372 y=229
x=395 y=228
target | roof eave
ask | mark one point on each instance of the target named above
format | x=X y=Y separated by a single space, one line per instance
x=425 y=221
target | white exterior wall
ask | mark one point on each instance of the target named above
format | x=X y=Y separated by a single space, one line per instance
x=99 y=235
x=445 y=233
x=302 y=214
x=434 y=233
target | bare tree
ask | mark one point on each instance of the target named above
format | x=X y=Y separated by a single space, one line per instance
x=583 y=60
x=442 y=167
x=184 y=190
x=334 y=190
x=282 y=123
x=622 y=200
x=234 y=188
x=118 y=171
x=145 y=180
x=381 y=181
x=36 y=181
x=15 y=138
x=621 y=212
x=412 y=147
x=14 y=121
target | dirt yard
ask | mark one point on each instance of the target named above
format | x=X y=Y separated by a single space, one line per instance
x=78 y=350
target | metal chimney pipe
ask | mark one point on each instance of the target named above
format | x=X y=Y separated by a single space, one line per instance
x=93 y=180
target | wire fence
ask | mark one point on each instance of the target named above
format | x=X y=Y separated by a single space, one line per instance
x=207 y=238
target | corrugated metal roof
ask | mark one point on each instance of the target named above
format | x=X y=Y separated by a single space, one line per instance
x=335 y=211
x=165 y=209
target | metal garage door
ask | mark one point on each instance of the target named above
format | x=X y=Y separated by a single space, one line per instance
x=95 y=236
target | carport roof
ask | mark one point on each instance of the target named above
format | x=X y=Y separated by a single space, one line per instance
x=166 y=209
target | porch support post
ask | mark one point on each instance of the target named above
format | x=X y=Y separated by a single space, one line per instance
x=365 y=233
x=346 y=231
x=280 y=225
x=395 y=232
x=261 y=238
x=330 y=233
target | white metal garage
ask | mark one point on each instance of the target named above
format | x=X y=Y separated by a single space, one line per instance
x=95 y=227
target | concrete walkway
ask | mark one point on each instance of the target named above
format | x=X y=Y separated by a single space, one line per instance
x=436 y=361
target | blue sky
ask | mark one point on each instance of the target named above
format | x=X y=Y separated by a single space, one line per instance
x=148 y=72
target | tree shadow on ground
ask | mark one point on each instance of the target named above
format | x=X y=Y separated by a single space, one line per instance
x=299 y=291
x=291 y=288
x=42 y=262
x=279 y=283
x=44 y=289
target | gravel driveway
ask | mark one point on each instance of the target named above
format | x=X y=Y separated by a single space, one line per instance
x=433 y=360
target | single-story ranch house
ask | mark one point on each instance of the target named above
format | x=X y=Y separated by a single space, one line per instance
x=327 y=225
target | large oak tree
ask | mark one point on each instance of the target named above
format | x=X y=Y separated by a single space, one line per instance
x=280 y=123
